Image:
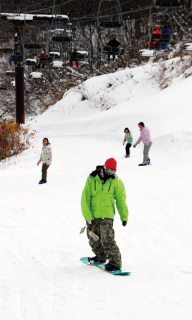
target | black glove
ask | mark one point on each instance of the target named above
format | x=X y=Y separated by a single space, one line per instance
x=124 y=223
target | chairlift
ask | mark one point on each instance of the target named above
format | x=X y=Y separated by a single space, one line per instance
x=86 y=53
x=45 y=60
x=187 y=47
x=61 y=35
x=115 y=21
x=6 y=50
x=55 y=54
x=10 y=74
x=64 y=33
x=57 y=64
x=111 y=50
x=63 y=39
x=147 y=53
x=31 y=62
x=32 y=46
x=77 y=56
x=36 y=75
x=162 y=37
x=168 y=3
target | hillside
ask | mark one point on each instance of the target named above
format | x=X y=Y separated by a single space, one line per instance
x=40 y=273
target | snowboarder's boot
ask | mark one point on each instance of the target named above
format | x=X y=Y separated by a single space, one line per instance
x=110 y=267
x=148 y=161
x=42 y=181
x=95 y=260
x=142 y=164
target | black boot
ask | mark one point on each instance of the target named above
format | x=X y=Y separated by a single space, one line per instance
x=142 y=164
x=95 y=260
x=110 y=267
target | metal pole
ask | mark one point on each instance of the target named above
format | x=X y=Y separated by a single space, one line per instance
x=19 y=81
x=19 y=86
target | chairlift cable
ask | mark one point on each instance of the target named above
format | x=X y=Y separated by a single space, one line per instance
x=106 y=16
x=49 y=7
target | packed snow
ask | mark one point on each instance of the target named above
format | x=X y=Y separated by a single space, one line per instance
x=40 y=272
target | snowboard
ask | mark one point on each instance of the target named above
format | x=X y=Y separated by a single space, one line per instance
x=102 y=267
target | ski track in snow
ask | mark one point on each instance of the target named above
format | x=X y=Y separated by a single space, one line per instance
x=40 y=272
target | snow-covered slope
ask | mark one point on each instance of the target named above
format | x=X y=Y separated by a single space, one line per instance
x=40 y=273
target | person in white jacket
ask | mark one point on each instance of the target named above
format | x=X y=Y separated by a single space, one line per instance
x=45 y=158
x=145 y=137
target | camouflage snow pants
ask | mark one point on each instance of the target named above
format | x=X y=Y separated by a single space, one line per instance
x=106 y=245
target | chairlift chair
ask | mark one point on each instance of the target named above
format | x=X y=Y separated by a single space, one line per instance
x=168 y=3
x=6 y=50
x=74 y=57
x=111 y=23
x=45 y=60
x=32 y=46
x=162 y=37
x=31 y=62
x=36 y=75
x=187 y=47
x=55 y=54
x=86 y=53
x=57 y=64
x=63 y=35
x=165 y=37
x=10 y=74
x=111 y=50
x=147 y=53
x=61 y=39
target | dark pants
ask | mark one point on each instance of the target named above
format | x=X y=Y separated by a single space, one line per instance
x=106 y=245
x=44 y=172
x=127 y=148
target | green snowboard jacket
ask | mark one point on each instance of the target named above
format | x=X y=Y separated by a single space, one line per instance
x=98 y=200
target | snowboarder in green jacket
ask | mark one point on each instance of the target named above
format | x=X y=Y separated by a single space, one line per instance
x=103 y=188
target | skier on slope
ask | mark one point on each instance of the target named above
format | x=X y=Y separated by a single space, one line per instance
x=45 y=158
x=146 y=138
x=101 y=191
x=128 y=140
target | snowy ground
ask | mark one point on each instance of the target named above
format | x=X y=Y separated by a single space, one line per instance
x=40 y=273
